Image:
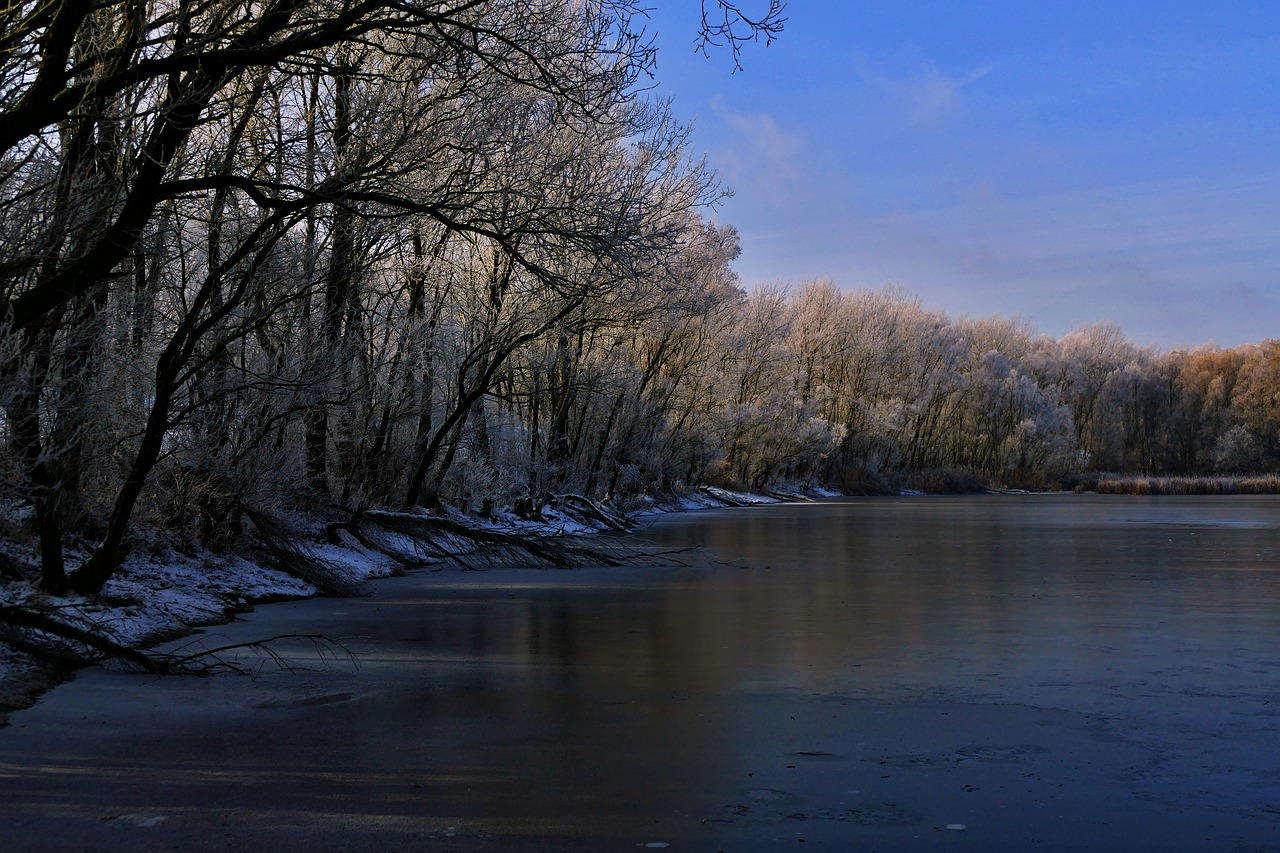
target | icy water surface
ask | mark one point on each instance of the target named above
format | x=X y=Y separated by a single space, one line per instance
x=1030 y=673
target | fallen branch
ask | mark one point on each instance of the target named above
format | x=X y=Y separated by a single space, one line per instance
x=196 y=663
x=287 y=554
x=474 y=546
x=101 y=646
x=788 y=497
x=589 y=512
x=26 y=617
x=353 y=529
x=722 y=496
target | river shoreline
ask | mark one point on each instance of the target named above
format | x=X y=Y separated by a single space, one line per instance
x=1047 y=672
x=163 y=593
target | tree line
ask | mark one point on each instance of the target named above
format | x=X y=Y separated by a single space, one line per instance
x=287 y=255
x=890 y=394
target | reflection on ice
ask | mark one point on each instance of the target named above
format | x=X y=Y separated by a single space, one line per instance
x=864 y=673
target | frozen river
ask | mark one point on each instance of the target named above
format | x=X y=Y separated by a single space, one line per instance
x=982 y=673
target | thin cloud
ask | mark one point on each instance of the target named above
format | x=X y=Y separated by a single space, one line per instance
x=1176 y=262
x=930 y=99
x=759 y=153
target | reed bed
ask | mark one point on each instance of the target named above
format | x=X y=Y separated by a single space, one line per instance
x=1133 y=484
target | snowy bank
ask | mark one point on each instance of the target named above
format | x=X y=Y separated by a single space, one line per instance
x=163 y=593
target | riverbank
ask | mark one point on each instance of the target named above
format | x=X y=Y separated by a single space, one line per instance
x=1048 y=672
x=165 y=592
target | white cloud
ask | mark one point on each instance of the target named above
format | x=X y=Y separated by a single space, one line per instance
x=759 y=154
x=928 y=99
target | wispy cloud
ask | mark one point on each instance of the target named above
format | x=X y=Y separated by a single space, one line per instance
x=1177 y=261
x=930 y=98
x=759 y=152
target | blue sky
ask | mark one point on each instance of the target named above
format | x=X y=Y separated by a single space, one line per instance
x=1066 y=161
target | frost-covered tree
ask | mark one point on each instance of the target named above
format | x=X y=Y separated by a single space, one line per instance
x=234 y=184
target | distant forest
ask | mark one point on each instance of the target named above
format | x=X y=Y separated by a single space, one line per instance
x=275 y=257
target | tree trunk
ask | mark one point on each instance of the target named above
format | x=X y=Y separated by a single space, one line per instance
x=28 y=447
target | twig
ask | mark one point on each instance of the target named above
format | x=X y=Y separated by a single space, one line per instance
x=184 y=664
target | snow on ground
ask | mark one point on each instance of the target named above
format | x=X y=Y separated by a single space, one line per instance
x=157 y=595
x=163 y=593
